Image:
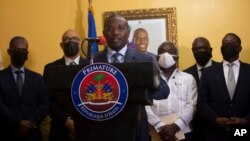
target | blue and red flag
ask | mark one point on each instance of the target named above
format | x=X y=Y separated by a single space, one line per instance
x=92 y=46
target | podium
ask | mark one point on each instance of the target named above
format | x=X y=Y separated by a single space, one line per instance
x=130 y=123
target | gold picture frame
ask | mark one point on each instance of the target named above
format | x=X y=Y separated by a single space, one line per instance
x=167 y=14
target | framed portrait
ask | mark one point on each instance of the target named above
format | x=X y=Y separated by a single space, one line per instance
x=160 y=23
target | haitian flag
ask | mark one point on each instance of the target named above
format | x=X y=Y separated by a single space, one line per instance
x=92 y=46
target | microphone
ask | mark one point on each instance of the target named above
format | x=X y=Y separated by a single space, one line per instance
x=100 y=40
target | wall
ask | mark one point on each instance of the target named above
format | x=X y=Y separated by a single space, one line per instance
x=43 y=22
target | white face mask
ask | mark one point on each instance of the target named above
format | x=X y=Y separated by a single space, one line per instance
x=166 y=60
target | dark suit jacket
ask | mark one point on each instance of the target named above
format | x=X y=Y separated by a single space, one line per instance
x=214 y=100
x=32 y=104
x=193 y=71
x=61 y=106
x=113 y=130
x=162 y=92
x=197 y=124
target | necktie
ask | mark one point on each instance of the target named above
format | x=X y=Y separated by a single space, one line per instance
x=19 y=81
x=115 y=58
x=72 y=63
x=231 y=81
x=200 y=73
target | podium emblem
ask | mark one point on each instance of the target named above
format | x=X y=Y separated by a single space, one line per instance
x=99 y=91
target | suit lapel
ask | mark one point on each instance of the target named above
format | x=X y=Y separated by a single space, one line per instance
x=101 y=57
x=222 y=78
x=196 y=75
x=241 y=77
x=12 y=81
x=130 y=56
x=81 y=61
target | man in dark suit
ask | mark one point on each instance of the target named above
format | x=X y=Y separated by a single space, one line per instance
x=62 y=125
x=202 y=52
x=223 y=105
x=24 y=99
x=116 y=32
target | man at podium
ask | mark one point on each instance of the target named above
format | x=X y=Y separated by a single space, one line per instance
x=116 y=32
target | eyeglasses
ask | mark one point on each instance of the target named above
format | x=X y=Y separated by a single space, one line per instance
x=74 y=39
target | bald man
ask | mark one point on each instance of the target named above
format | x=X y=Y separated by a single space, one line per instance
x=62 y=125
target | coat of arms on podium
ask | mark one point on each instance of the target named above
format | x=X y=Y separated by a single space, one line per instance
x=99 y=91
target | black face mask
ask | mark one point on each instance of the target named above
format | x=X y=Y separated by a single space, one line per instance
x=70 y=49
x=202 y=57
x=229 y=51
x=18 y=58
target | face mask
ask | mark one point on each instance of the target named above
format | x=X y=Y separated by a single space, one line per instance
x=166 y=60
x=229 y=51
x=18 y=58
x=202 y=57
x=70 y=49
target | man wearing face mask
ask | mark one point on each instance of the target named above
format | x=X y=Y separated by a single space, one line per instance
x=24 y=99
x=62 y=125
x=181 y=101
x=224 y=94
x=202 y=52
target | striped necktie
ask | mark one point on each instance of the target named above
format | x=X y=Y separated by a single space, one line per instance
x=115 y=58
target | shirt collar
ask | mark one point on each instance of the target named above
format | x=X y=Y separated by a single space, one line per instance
x=209 y=63
x=236 y=62
x=122 y=51
x=165 y=78
x=14 y=69
x=68 y=60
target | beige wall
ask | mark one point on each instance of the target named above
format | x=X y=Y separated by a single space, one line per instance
x=43 y=22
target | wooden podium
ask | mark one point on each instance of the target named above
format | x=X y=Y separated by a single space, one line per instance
x=128 y=124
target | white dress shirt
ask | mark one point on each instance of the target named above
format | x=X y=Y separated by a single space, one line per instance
x=181 y=100
x=68 y=60
x=121 y=57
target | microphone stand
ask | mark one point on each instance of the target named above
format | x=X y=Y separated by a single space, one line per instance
x=91 y=54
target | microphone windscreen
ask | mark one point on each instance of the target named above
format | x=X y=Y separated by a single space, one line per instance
x=102 y=40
